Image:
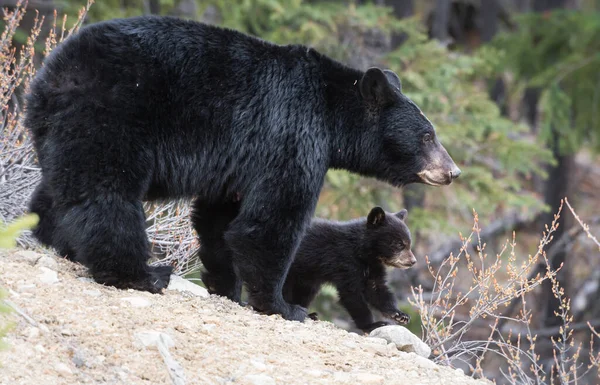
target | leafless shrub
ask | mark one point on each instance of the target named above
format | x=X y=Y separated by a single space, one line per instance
x=171 y=235
x=460 y=320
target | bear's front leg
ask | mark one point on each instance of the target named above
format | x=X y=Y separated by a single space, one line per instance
x=382 y=299
x=264 y=238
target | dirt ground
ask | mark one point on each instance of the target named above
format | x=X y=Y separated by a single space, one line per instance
x=70 y=330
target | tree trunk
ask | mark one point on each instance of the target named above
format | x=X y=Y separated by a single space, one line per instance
x=556 y=188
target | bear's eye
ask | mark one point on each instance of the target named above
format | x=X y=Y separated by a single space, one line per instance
x=426 y=138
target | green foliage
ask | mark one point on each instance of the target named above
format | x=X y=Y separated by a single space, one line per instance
x=559 y=53
x=9 y=234
x=297 y=21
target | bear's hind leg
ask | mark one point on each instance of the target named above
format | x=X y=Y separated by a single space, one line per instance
x=107 y=234
x=211 y=220
x=42 y=204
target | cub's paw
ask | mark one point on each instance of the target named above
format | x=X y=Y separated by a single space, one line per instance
x=399 y=317
x=313 y=316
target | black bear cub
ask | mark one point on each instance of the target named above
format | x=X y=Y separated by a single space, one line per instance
x=353 y=257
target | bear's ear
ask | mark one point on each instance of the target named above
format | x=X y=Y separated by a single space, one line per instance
x=393 y=79
x=375 y=87
x=402 y=214
x=376 y=217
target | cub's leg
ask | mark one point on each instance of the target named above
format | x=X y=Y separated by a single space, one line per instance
x=382 y=299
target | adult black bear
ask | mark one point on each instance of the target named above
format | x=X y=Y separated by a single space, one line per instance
x=353 y=257
x=152 y=108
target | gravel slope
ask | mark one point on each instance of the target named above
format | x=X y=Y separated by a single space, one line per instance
x=74 y=331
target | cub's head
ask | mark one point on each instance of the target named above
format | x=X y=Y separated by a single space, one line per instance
x=388 y=238
x=408 y=148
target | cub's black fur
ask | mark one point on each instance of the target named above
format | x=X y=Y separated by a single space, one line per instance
x=151 y=107
x=353 y=257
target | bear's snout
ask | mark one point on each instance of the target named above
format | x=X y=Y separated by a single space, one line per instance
x=404 y=260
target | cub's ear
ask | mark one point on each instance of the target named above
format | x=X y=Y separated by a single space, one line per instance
x=402 y=214
x=376 y=217
x=375 y=87
x=393 y=79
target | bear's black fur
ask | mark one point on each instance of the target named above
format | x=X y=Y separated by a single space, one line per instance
x=152 y=107
x=353 y=257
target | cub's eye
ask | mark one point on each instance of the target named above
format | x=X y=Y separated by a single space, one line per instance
x=426 y=138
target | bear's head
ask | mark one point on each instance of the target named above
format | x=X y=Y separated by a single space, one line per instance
x=387 y=238
x=408 y=150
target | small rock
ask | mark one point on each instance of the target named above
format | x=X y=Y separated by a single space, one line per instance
x=459 y=371
x=137 y=301
x=353 y=335
x=260 y=366
x=352 y=344
x=26 y=287
x=78 y=361
x=47 y=276
x=63 y=369
x=208 y=327
x=32 y=332
x=92 y=293
x=258 y=379
x=29 y=256
x=152 y=338
x=403 y=339
x=368 y=378
x=48 y=262
x=182 y=285
x=40 y=349
x=86 y=279
x=44 y=328
x=67 y=332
